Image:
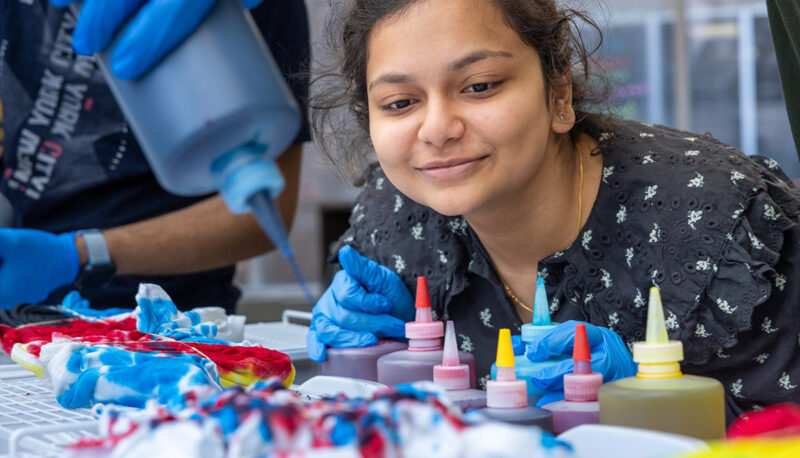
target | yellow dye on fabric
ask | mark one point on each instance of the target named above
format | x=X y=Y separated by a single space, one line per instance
x=247 y=378
x=20 y=354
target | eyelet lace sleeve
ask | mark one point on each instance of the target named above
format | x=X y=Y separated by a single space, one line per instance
x=746 y=271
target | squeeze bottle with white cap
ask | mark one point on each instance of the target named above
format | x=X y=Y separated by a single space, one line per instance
x=213 y=115
x=454 y=376
x=424 y=347
x=660 y=397
x=507 y=397
x=580 y=406
x=540 y=324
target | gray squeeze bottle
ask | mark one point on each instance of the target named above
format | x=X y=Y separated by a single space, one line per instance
x=424 y=347
x=507 y=397
x=359 y=362
x=212 y=116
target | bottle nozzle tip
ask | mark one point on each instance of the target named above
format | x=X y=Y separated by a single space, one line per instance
x=505 y=352
x=423 y=300
x=541 y=306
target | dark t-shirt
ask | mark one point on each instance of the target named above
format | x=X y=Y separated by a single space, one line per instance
x=716 y=230
x=70 y=160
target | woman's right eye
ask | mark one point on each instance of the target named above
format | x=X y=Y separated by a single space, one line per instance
x=397 y=105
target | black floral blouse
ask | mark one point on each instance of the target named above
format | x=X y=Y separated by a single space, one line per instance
x=714 y=229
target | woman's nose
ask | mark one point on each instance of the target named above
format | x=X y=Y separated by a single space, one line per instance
x=441 y=124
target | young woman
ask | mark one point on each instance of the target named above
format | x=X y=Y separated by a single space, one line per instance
x=492 y=172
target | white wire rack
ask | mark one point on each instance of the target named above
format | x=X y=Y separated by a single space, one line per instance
x=284 y=336
x=32 y=423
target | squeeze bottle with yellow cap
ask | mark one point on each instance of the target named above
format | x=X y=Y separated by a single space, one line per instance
x=660 y=397
x=507 y=397
x=540 y=324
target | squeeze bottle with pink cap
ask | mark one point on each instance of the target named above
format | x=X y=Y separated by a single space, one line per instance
x=580 y=406
x=507 y=397
x=454 y=376
x=424 y=347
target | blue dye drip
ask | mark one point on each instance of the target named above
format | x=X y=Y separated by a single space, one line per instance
x=269 y=218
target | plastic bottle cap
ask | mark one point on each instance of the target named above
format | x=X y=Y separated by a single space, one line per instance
x=582 y=384
x=580 y=350
x=657 y=348
x=423 y=327
x=451 y=374
x=505 y=352
x=506 y=391
x=423 y=299
x=540 y=324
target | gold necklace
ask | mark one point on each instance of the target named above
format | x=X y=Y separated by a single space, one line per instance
x=580 y=213
x=515 y=298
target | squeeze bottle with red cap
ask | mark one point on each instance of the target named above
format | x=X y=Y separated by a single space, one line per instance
x=507 y=397
x=580 y=406
x=660 y=397
x=424 y=347
x=540 y=324
x=454 y=376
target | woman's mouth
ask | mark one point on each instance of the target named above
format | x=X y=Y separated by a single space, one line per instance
x=451 y=169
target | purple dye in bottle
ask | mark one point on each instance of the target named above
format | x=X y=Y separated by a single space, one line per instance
x=424 y=347
x=580 y=406
x=359 y=362
x=455 y=377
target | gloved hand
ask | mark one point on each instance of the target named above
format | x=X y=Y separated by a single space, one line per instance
x=365 y=301
x=517 y=345
x=159 y=26
x=33 y=263
x=610 y=357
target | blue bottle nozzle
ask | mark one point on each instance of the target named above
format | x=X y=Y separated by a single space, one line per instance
x=540 y=323
x=248 y=181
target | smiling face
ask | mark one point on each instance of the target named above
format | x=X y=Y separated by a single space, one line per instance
x=458 y=109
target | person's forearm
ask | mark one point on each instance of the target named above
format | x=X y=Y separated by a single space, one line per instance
x=200 y=237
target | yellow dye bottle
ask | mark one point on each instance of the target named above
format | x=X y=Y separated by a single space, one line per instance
x=660 y=397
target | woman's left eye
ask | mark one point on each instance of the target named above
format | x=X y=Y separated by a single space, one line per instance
x=479 y=88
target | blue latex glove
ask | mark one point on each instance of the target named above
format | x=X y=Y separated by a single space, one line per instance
x=517 y=345
x=610 y=357
x=159 y=26
x=74 y=303
x=365 y=301
x=34 y=263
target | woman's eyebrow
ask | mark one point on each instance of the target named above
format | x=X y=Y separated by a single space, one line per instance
x=390 y=78
x=476 y=56
x=460 y=64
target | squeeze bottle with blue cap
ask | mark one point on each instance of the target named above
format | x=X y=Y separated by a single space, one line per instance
x=454 y=376
x=213 y=115
x=507 y=397
x=660 y=397
x=580 y=406
x=424 y=347
x=539 y=325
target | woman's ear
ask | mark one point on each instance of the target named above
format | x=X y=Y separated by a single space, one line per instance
x=561 y=112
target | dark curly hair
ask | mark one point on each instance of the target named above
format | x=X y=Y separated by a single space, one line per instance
x=339 y=93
